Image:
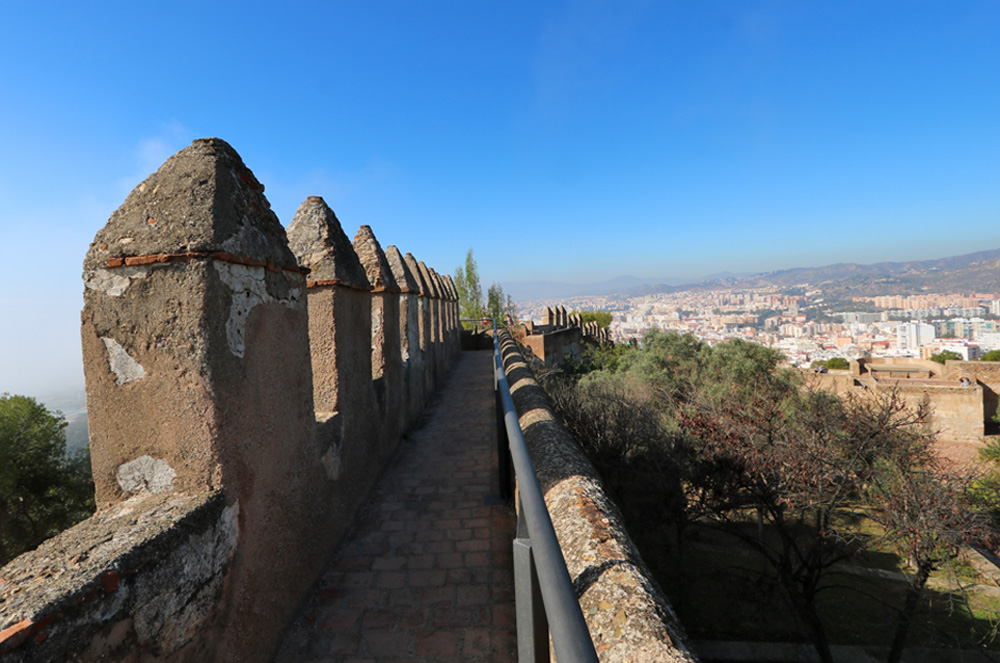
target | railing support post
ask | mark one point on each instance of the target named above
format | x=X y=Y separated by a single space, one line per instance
x=532 y=624
x=503 y=442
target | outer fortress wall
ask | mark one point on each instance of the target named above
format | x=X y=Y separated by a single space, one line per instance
x=959 y=397
x=628 y=616
x=232 y=385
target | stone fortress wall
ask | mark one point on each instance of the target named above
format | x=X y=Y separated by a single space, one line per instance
x=960 y=397
x=561 y=334
x=245 y=388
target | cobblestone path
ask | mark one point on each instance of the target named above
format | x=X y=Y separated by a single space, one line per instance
x=426 y=573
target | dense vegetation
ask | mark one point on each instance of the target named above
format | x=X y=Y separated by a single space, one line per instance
x=700 y=441
x=945 y=355
x=43 y=489
x=834 y=363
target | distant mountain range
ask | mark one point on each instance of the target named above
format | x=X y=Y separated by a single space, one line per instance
x=527 y=290
x=978 y=271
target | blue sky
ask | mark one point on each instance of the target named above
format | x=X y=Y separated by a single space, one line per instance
x=564 y=141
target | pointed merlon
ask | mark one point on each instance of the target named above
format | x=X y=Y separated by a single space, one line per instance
x=428 y=279
x=418 y=276
x=451 y=288
x=438 y=284
x=400 y=271
x=373 y=259
x=319 y=243
x=201 y=200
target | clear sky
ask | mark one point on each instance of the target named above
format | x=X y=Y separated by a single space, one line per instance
x=567 y=140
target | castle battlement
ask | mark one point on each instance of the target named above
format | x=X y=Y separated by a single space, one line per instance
x=245 y=389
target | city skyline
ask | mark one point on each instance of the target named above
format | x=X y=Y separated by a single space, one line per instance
x=573 y=142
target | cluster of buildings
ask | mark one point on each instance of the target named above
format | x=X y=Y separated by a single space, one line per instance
x=802 y=325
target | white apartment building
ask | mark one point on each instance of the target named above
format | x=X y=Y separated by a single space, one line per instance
x=911 y=335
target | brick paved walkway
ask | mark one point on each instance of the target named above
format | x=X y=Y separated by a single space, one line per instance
x=426 y=572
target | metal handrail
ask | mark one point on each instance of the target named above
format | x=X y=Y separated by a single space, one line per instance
x=539 y=567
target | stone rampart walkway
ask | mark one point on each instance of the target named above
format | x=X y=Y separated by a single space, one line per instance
x=426 y=572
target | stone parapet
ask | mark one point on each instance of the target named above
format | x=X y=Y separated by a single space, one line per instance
x=234 y=422
x=143 y=575
x=629 y=618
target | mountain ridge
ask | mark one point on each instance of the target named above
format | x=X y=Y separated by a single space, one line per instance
x=977 y=271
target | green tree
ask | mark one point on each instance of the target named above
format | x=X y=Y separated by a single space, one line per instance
x=43 y=489
x=945 y=355
x=992 y=355
x=470 y=292
x=498 y=305
x=834 y=363
x=602 y=318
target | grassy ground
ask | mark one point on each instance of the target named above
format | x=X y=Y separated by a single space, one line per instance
x=723 y=591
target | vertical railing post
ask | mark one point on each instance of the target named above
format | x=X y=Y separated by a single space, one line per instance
x=532 y=624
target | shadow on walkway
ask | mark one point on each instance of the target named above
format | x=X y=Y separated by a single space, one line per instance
x=425 y=574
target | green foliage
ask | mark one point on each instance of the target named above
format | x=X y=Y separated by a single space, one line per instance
x=834 y=363
x=685 y=432
x=945 y=355
x=602 y=318
x=470 y=292
x=43 y=490
x=992 y=355
x=604 y=357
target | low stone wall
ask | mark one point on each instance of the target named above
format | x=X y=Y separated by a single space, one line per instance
x=956 y=413
x=553 y=346
x=144 y=575
x=628 y=616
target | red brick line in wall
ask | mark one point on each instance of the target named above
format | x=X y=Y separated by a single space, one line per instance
x=337 y=282
x=161 y=258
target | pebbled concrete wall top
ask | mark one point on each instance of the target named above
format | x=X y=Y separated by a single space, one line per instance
x=629 y=618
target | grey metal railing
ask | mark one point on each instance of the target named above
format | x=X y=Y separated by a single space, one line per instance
x=543 y=591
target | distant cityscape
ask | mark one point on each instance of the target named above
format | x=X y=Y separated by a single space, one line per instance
x=805 y=323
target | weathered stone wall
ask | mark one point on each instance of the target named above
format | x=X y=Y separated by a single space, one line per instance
x=628 y=616
x=411 y=354
x=987 y=374
x=553 y=346
x=142 y=576
x=225 y=472
x=956 y=412
x=387 y=369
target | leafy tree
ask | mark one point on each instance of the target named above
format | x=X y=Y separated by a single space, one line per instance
x=602 y=318
x=470 y=292
x=945 y=355
x=992 y=355
x=498 y=305
x=43 y=490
